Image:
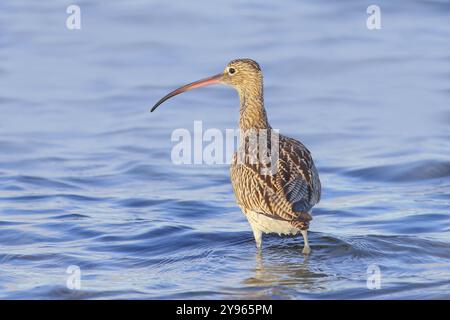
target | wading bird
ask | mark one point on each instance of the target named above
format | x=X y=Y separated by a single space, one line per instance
x=275 y=201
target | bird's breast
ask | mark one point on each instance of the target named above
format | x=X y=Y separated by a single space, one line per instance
x=269 y=225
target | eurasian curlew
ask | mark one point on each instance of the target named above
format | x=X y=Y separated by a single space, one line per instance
x=276 y=196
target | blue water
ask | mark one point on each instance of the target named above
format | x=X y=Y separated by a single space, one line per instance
x=86 y=176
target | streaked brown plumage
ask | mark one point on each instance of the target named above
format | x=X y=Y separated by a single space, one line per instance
x=278 y=202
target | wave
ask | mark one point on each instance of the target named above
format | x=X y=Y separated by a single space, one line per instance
x=404 y=172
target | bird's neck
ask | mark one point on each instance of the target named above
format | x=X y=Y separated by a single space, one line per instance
x=252 y=113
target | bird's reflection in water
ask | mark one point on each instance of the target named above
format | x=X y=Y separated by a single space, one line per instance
x=279 y=270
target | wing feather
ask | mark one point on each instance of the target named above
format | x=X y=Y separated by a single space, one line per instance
x=289 y=193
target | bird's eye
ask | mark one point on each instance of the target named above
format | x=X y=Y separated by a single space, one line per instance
x=231 y=71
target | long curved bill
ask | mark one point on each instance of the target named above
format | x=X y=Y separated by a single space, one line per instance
x=197 y=84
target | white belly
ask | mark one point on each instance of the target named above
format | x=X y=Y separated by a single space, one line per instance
x=268 y=225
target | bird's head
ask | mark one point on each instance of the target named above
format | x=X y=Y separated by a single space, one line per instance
x=242 y=74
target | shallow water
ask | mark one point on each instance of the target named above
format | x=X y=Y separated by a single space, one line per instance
x=86 y=177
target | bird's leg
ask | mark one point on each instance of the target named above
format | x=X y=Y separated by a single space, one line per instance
x=258 y=237
x=306 y=248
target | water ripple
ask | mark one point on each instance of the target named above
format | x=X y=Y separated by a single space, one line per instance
x=86 y=177
x=404 y=172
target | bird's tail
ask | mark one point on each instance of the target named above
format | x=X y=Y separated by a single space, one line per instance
x=302 y=221
x=302 y=225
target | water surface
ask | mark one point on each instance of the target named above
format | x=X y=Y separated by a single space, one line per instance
x=86 y=177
